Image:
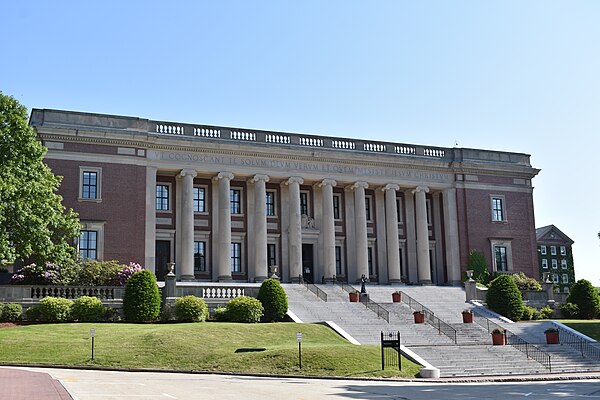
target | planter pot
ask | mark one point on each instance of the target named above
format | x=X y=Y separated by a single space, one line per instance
x=396 y=297
x=467 y=317
x=552 y=338
x=354 y=297
x=419 y=318
x=498 y=339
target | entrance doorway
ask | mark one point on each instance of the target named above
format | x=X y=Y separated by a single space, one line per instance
x=308 y=272
x=163 y=257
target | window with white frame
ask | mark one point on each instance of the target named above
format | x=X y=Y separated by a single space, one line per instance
x=88 y=245
x=555 y=278
x=544 y=263
x=368 y=203
x=199 y=257
x=565 y=278
x=563 y=251
x=543 y=250
x=162 y=197
x=235 y=201
x=498 y=213
x=236 y=257
x=199 y=199
x=553 y=250
x=90 y=184
x=566 y=289
x=270 y=203
x=337 y=200
x=563 y=264
x=501 y=255
x=304 y=204
x=554 y=263
x=501 y=258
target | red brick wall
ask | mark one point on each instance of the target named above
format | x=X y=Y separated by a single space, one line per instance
x=123 y=205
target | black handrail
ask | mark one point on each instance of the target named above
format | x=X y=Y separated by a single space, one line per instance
x=531 y=351
x=370 y=304
x=313 y=288
x=430 y=318
x=585 y=347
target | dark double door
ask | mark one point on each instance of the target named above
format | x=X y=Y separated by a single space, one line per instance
x=308 y=270
x=163 y=258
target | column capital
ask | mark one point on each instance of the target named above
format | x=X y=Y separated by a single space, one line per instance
x=294 y=179
x=326 y=182
x=421 y=189
x=358 y=184
x=259 y=177
x=390 y=186
x=187 y=172
x=223 y=175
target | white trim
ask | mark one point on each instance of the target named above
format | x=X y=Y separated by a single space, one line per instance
x=503 y=201
x=98 y=227
x=501 y=243
x=169 y=186
x=98 y=171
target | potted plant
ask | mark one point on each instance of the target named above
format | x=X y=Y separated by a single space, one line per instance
x=467 y=316
x=498 y=337
x=419 y=317
x=551 y=336
x=354 y=296
x=397 y=296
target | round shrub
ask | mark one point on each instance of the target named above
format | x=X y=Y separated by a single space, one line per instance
x=524 y=282
x=11 y=312
x=545 y=313
x=141 y=301
x=219 y=314
x=274 y=300
x=528 y=313
x=570 y=310
x=88 y=309
x=190 y=309
x=587 y=299
x=32 y=313
x=504 y=297
x=244 y=309
x=55 y=309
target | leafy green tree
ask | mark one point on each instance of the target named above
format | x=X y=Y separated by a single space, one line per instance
x=585 y=296
x=504 y=297
x=34 y=225
x=479 y=266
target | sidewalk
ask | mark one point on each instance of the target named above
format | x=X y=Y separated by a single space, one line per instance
x=18 y=384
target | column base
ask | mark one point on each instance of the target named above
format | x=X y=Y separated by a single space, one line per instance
x=224 y=278
x=426 y=282
x=259 y=279
x=187 y=278
x=395 y=281
x=455 y=283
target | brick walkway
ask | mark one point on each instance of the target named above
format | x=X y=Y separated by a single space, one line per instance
x=18 y=384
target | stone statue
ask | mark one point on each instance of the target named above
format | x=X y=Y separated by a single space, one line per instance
x=363 y=280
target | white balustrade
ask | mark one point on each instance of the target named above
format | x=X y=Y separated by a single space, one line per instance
x=169 y=129
x=308 y=141
x=207 y=132
x=245 y=136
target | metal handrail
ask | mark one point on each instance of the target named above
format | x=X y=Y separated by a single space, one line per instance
x=430 y=318
x=370 y=304
x=313 y=288
x=530 y=350
x=585 y=347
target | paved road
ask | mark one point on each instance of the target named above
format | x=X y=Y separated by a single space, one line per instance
x=108 y=385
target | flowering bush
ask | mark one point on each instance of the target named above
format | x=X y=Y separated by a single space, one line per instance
x=126 y=272
x=33 y=274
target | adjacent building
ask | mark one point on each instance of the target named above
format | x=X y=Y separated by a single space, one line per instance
x=233 y=204
x=555 y=257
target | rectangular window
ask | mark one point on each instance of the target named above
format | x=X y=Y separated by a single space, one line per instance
x=304 y=203
x=563 y=251
x=199 y=257
x=565 y=278
x=162 y=197
x=270 y=204
x=236 y=257
x=501 y=260
x=554 y=263
x=199 y=199
x=370 y=260
x=563 y=264
x=368 y=207
x=336 y=206
x=555 y=278
x=88 y=245
x=566 y=290
x=338 y=260
x=553 y=250
x=271 y=255
x=234 y=201
x=544 y=263
x=543 y=250
x=497 y=209
x=89 y=185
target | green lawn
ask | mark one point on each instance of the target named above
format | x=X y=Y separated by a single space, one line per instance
x=225 y=347
x=588 y=327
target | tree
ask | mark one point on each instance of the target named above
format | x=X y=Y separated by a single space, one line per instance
x=34 y=225
x=585 y=296
x=479 y=266
x=504 y=297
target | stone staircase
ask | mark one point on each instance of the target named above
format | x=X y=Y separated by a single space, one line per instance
x=471 y=355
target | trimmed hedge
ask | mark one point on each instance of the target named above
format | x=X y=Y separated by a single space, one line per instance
x=141 y=301
x=55 y=309
x=88 y=309
x=190 y=309
x=274 y=300
x=244 y=309
x=504 y=297
x=11 y=312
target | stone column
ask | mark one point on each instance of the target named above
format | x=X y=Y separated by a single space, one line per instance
x=150 y=229
x=391 y=227
x=423 y=263
x=260 y=227
x=186 y=264
x=328 y=229
x=411 y=237
x=451 y=235
x=224 y=226
x=438 y=264
x=360 y=227
x=295 y=231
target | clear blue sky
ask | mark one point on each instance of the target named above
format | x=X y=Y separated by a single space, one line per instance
x=519 y=76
